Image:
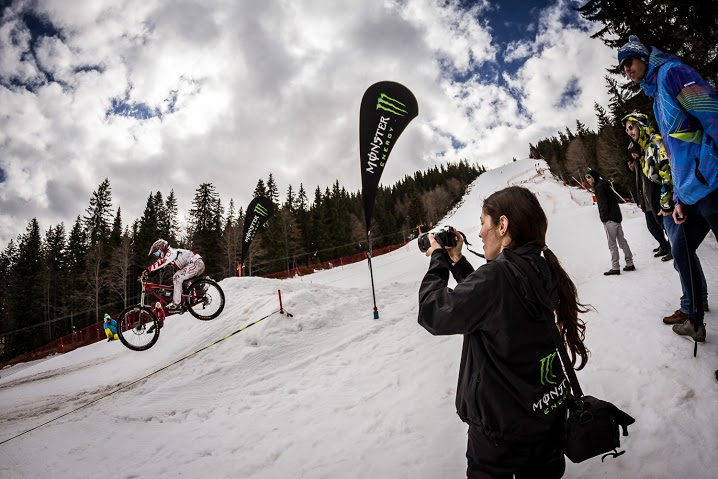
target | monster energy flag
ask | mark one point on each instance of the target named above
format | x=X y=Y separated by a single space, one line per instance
x=386 y=109
x=259 y=211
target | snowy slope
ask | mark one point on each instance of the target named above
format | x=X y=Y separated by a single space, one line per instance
x=333 y=393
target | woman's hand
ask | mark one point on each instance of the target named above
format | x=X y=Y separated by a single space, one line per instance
x=434 y=245
x=455 y=252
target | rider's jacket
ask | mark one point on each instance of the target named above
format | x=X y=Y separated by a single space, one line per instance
x=177 y=257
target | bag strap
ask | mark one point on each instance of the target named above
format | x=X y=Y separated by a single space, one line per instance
x=527 y=268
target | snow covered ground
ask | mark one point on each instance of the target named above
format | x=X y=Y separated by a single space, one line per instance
x=333 y=393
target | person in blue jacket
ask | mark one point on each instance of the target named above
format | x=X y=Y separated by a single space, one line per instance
x=686 y=110
x=110 y=328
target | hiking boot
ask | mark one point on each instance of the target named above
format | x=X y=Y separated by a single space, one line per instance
x=660 y=252
x=656 y=249
x=676 y=318
x=686 y=329
x=667 y=257
x=150 y=329
x=611 y=272
x=629 y=268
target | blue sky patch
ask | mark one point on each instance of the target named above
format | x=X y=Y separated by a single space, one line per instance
x=570 y=94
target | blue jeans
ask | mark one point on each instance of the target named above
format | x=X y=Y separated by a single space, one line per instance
x=702 y=218
x=680 y=263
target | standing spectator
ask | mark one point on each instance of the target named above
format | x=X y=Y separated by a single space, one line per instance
x=611 y=217
x=649 y=200
x=686 y=109
x=110 y=328
x=512 y=390
x=656 y=170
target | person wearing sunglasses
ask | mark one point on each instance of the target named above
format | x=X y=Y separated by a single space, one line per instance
x=655 y=171
x=187 y=263
x=686 y=110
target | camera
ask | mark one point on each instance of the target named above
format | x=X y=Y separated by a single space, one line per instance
x=444 y=237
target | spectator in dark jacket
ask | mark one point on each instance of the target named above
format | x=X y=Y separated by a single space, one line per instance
x=611 y=217
x=512 y=390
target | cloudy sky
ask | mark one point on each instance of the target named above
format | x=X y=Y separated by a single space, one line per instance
x=159 y=95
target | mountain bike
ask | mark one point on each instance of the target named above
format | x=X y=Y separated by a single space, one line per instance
x=138 y=326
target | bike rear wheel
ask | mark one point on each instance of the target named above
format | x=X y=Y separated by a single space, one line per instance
x=138 y=327
x=206 y=299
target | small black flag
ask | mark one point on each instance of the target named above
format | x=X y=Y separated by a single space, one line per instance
x=259 y=211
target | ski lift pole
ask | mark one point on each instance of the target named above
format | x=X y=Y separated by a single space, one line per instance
x=622 y=199
x=371 y=274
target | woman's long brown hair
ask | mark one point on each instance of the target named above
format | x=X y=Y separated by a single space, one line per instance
x=528 y=224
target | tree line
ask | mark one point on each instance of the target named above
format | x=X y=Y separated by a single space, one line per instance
x=686 y=29
x=58 y=282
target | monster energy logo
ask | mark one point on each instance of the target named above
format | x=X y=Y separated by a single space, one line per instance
x=261 y=210
x=547 y=369
x=392 y=105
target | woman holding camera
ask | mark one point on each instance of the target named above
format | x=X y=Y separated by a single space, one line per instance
x=512 y=390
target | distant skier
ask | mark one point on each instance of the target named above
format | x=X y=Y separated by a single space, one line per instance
x=110 y=328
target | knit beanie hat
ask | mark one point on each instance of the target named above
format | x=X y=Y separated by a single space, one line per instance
x=593 y=174
x=634 y=48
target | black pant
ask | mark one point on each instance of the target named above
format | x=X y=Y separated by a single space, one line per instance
x=488 y=459
x=655 y=227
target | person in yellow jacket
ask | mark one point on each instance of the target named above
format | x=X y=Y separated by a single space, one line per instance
x=110 y=328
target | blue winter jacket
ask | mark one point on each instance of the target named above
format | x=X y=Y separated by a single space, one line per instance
x=686 y=109
x=112 y=326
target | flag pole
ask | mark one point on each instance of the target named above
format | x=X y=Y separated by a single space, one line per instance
x=371 y=273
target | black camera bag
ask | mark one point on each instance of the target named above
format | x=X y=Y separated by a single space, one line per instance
x=591 y=424
x=592 y=429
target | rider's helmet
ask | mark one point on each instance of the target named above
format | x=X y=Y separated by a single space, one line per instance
x=107 y=317
x=158 y=247
x=158 y=305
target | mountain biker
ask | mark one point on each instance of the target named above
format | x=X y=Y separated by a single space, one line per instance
x=110 y=328
x=187 y=263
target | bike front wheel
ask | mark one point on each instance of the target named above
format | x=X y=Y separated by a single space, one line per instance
x=139 y=328
x=206 y=299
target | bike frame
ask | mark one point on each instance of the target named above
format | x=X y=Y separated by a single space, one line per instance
x=156 y=290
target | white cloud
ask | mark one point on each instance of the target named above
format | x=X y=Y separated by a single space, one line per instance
x=260 y=87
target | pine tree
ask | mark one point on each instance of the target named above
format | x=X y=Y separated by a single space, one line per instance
x=171 y=210
x=99 y=214
x=260 y=189
x=205 y=225
x=273 y=191
x=54 y=285
x=26 y=300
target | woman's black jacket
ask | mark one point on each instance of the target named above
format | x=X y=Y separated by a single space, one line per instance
x=511 y=383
